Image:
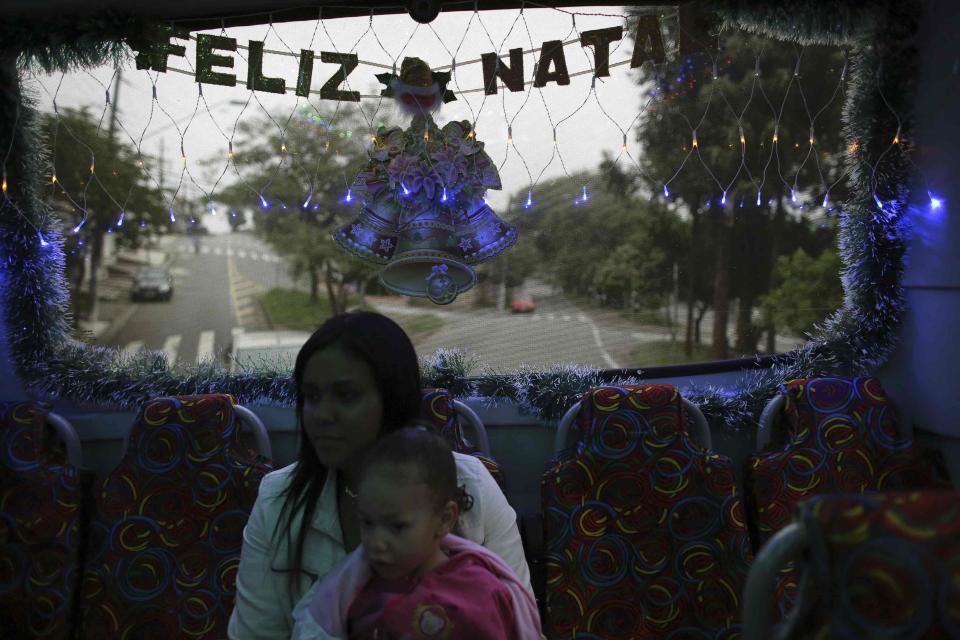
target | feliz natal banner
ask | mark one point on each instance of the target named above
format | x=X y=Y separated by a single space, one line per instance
x=693 y=36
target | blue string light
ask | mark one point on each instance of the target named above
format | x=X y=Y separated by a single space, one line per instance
x=349 y=196
x=77 y=228
x=825 y=199
x=306 y=203
x=723 y=199
x=43 y=241
x=793 y=196
x=443 y=197
x=666 y=192
x=935 y=203
x=529 y=202
x=173 y=218
x=264 y=204
x=120 y=219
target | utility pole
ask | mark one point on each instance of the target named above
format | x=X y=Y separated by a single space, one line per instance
x=96 y=255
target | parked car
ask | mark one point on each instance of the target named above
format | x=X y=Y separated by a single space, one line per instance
x=152 y=283
x=522 y=303
x=261 y=350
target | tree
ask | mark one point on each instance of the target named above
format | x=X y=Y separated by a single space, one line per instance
x=613 y=248
x=807 y=290
x=99 y=186
x=302 y=175
x=733 y=237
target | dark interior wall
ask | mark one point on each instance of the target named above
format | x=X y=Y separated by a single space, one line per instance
x=924 y=373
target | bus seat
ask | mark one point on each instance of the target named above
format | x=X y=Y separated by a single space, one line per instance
x=168 y=524
x=644 y=529
x=568 y=434
x=40 y=524
x=838 y=436
x=880 y=565
x=252 y=421
x=447 y=415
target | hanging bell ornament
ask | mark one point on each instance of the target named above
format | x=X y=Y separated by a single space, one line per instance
x=424 y=215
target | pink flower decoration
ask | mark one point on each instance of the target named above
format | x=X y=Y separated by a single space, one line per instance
x=423 y=177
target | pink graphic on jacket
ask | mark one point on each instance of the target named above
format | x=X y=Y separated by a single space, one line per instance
x=472 y=596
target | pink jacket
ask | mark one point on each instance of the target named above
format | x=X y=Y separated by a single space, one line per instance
x=322 y=614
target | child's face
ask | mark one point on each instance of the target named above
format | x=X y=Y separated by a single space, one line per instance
x=399 y=526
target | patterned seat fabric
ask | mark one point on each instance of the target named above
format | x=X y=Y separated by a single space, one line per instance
x=884 y=565
x=644 y=530
x=841 y=437
x=436 y=406
x=166 y=534
x=40 y=516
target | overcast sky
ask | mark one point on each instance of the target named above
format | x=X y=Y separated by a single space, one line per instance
x=582 y=138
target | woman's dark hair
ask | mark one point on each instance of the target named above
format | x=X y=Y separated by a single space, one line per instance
x=430 y=455
x=382 y=344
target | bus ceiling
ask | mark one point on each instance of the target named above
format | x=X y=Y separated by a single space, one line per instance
x=198 y=15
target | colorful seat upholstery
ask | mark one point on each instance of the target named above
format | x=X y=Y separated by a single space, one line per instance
x=40 y=528
x=841 y=437
x=436 y=406
x=880 y=565
x=168 y=525
x=644 y=531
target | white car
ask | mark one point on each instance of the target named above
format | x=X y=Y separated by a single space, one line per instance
x=265 y=350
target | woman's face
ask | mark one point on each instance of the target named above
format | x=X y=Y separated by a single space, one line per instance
x=342 y=407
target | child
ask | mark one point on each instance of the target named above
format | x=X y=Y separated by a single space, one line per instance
x=411 y=577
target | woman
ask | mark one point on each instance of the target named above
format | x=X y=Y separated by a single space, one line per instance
x=357 y=377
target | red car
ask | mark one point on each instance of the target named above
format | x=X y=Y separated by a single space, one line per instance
x=522 y=303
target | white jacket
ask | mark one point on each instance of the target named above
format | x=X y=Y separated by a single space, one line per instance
x=264 y=605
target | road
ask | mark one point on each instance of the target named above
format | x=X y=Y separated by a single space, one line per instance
x=216 y=284
x=218 y=280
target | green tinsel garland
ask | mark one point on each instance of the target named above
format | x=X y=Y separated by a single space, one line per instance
x=858 y=338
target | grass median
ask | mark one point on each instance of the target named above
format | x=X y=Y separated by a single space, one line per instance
x=291 y=309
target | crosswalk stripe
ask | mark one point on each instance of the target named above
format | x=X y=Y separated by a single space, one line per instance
x=204 y=249
x=170 y=347
x=218 y=251
x=229 y=251
x=241 y=253
x=134 y=346
x=581 y=317
x=205 y=346
x=566 y=318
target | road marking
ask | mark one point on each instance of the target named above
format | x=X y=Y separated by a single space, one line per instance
x=566 y=318
x=205 y=346
x=218 y=251
x=134 y=346
x=603 y=352
x=551 y=317
x=204 y=249
x=582 y=318
x=230 y=251
x=170 y=347
x=241 y=253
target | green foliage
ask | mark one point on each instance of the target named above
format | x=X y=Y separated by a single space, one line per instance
x=294 y=310
x=734 y=246
x=76 y=140
x=665 y=352
x=322 y=154
x=614 y=249
x=808 y=290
